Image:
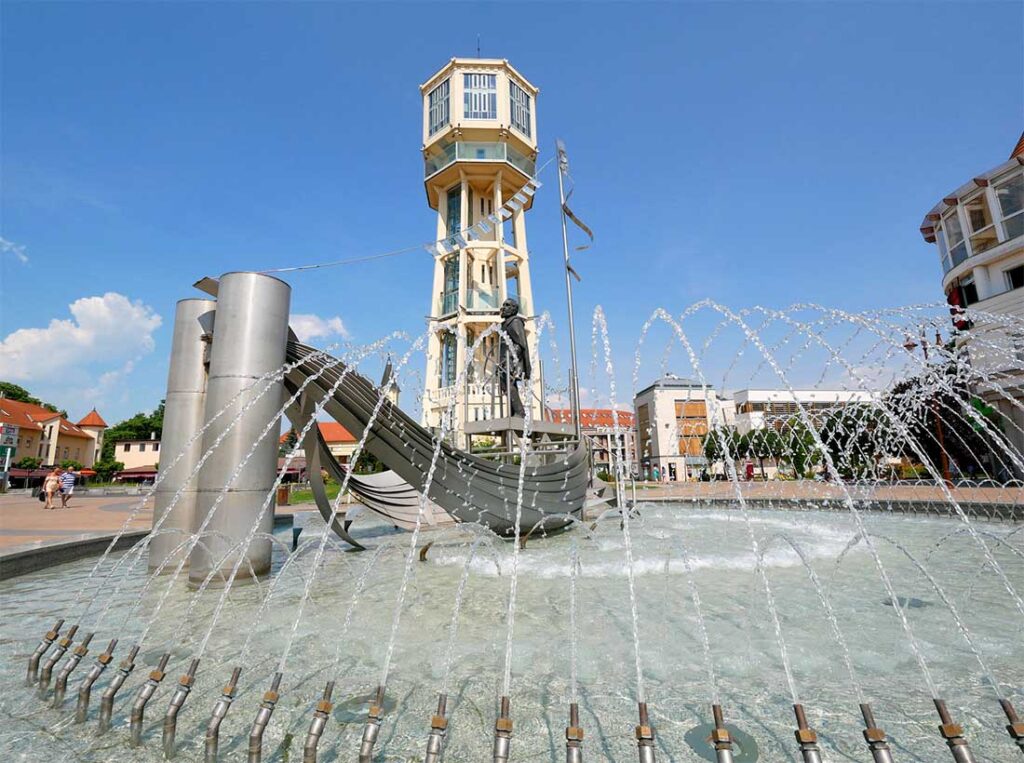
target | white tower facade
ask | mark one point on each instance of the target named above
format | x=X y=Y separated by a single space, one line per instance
x=479 y=149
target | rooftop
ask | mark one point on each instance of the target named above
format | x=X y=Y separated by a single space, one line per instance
x=93 y=419
x=594 y=417
x=31 y=416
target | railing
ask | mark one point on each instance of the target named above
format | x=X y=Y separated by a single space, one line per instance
x=476 y=151
x=482 y=299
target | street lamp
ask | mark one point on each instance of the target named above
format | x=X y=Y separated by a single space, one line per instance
x=910 y=345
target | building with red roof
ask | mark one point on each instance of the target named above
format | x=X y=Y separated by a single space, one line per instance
x=607 y=430
x=37 y=432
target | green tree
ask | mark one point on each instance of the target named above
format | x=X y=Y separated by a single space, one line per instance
x=291 y=439
x=70 y=463
x=27 y=462
x=19 y=394
x=105 y=468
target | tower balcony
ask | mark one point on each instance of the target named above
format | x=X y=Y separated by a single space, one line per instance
x=437 y=163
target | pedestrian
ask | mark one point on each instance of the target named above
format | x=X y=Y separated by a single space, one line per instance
x=656 y=474
x=50 y=486
x=67 y=486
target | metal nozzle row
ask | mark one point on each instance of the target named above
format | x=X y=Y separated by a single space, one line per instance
x=177 y=701
x=85 y=690
x=438 y=731
x=953 y=733
x=806 y=737
x=645 y=735
x=33 y=662
x=574 y=736
x=60 y=686
x=319 y=723
x=503 y=733
x=220 y=710
x=875 y=737
x=372 y=728
x=107 y=700
x=146 y=692
x=53 y=659
x=1015 y=727
x=262 y=719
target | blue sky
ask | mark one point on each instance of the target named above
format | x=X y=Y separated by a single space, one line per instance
x=753 y=153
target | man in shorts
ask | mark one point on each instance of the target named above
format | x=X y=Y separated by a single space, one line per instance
x=67 y=486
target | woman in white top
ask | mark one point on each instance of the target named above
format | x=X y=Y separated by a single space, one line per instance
x=50 y=487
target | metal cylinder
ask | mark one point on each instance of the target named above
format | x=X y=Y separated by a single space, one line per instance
x=53 y=659
x=107 y=700
x=1015 y=727
x=953 y=733
x=503 y=733
x=85 y=690
x=33 y=661
x=220 y=710
x=720 y=737
x=574 y=736
x=645 y=736
x=60 y=686
x=875 y=737
x=806 y=737
x=266 y=710
x=184 y=406
x=438 y=732
x=372 y=728
x=177 y=701
x=145 y=693
x=249 y=341
x=318 y=724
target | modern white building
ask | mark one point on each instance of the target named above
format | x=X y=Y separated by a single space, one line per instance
x=673 y=416
x=760 y=408
x=979 y=231
x=479 y=151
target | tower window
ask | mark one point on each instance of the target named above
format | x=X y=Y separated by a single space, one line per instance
x=437 y=104
x=481 y=96
x=447 y=370
x=519 y=101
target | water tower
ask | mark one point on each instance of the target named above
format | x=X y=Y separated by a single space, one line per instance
x=479 y=149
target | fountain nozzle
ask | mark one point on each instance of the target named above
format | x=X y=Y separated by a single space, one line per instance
x=574 y=736
x=953 y=733
x=806 y=737
x=720 y=737
x=53 y=659
x=503 y=732
x=319 y=723
x=47 y=641
x=438 y=730
x=372 y=728
x=85 y=690
x=645 y=735
x=875 y=737
x=219 y=711
x=107 y=701
x=1015 y=726
x=60 y=686
x=262 y=719
x=146 y=692
x=177 y=701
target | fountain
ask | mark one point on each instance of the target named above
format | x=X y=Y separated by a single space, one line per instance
x=826 y=595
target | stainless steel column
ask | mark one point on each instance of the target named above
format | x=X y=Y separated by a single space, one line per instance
x=183 y=417
x=249 y=341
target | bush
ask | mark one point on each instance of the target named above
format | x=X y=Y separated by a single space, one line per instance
x=70 y=463
x=28 y=462
x=106 y=467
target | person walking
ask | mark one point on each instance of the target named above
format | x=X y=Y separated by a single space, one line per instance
x=50 y=486
x=67 y=486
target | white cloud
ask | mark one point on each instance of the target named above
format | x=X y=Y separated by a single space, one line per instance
x=102 y=331
x=18 y=250
x=308 y=327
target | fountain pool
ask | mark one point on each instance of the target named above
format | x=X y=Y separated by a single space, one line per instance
x=742 y=642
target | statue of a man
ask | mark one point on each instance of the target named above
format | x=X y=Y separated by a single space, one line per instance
x=514 y=360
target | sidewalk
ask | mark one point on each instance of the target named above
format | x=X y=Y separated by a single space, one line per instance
x=25 y=524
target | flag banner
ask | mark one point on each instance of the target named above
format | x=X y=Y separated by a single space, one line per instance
x=484 y=227
x=573 y=272
x=506 y=214
x=493 y=219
